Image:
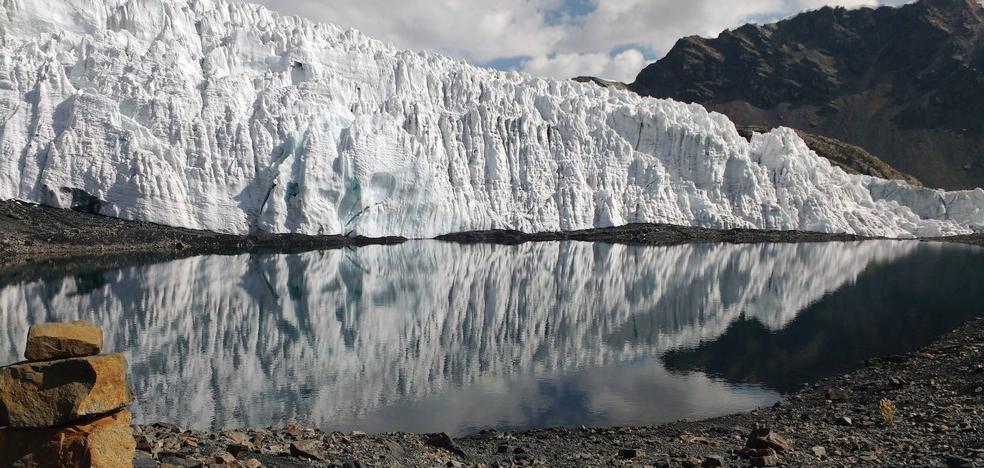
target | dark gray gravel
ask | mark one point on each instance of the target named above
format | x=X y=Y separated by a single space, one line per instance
x=32 y=233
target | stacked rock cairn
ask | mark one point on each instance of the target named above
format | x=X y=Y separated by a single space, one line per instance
x=67 y=404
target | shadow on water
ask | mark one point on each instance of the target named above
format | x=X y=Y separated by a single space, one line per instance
x=892 y=308
x=431 y=336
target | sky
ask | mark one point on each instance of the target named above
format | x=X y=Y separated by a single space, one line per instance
x=612 y=39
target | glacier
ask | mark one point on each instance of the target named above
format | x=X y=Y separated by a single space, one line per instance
x=225 y=116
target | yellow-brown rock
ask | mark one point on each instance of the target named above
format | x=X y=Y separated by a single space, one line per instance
x=106 y=442
x=44 y=394
x=49 y=341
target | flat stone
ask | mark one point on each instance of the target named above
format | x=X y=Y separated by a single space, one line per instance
x=106 y=442
x=310 y=449
x=50 y=341
x=765 y=438
x=236 y=449
x=238 y=438
x=768 y=460
x=837 y=394
x=443 y=440
x=225 y=458
x=53 y=393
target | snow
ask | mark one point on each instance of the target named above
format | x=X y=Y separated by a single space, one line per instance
x=225 y=116
x=368 y=328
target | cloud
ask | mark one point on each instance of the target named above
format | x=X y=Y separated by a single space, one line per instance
x=612 y=39
x=475 y=30
x=624 y=66
x=657 y=24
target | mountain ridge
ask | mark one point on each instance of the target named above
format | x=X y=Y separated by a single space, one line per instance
x=901 y=82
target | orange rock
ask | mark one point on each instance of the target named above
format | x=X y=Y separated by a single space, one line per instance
x=106 y=442
x=49 y=341
x=45 y=394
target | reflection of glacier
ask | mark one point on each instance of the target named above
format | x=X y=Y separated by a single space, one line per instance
x=329 y=336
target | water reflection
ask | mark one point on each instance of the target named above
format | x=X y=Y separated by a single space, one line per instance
x=431 y=336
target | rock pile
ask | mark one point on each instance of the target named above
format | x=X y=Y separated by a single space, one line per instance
x=67 y=404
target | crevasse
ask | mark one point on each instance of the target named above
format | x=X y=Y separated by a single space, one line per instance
x=228 y=117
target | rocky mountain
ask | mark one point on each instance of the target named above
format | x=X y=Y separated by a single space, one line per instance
x=903 y=83
x=224 y=116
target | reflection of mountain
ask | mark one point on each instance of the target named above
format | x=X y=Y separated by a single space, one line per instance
x=330 y=336
x=893 y=309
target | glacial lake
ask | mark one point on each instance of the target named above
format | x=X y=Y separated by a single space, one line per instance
x=429 y=336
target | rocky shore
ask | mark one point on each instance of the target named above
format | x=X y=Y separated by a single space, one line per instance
x=920 y=409
x=31 y=233
x=972 y=239
x=649 y=234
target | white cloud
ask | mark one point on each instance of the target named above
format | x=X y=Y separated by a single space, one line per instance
x=622 y=67
x=562 y=46
x=475 y=30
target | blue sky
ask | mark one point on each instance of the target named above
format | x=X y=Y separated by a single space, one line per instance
x=613 y=39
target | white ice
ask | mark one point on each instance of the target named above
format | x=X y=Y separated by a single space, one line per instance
x=228 y=117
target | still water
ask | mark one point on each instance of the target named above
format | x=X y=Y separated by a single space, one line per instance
x=430 y=336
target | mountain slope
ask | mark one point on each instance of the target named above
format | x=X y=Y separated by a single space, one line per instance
x=227 y=117
x=902 y=83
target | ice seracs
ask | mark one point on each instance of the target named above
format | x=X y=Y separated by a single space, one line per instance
x=228 y=117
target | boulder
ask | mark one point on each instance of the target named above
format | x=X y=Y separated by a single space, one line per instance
x=765 y=438
x=106 y=442
x=444 y=441
x=50 y=341
x=310 y=449
x=837 y=394
x=45 y=394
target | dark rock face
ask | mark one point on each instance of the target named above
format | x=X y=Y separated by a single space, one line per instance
x=83 y=201
x=902 y=83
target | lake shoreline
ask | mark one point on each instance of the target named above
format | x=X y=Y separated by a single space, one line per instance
x=938 y=420
x=32 y=234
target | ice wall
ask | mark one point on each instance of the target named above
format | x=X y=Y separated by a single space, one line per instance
x=228 y=117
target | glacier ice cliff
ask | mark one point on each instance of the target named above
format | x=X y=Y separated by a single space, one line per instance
x=228 y=117
x=336 y=338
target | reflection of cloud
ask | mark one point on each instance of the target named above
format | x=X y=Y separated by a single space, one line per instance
x=343 y=335
x=596 y=397
x=626 y=396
